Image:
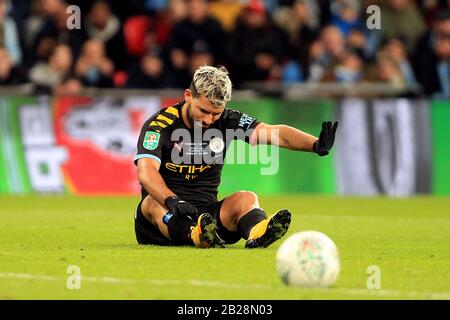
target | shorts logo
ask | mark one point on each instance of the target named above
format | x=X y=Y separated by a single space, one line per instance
x=151 y=140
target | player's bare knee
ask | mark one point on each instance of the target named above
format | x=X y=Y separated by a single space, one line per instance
x=245 y=201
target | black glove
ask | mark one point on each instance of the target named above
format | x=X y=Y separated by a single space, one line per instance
x=326 y=139
x=181 y=208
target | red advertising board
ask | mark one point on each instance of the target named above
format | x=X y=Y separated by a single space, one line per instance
x=100 y=137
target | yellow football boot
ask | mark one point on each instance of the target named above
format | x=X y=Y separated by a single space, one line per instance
x=269 y=230
x=204 y=234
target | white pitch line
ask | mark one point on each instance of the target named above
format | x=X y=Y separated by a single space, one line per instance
x=28 y=276
x=392 y=293
x=223 y=285
x=157 y=282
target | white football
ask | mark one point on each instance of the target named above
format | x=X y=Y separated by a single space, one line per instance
x=308 y=259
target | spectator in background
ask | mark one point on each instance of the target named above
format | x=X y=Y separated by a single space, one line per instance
x=333 y=41
x=357 y=41
x=159 y=28
x=327 y=51
x=6 y=67
x=388 y=71
x=56 y=72
x=93 y=67
x=257 y=47
x=33 y=24
x=9 y=38
x=149 y=72
x=226 y=12
x=431 y=8
x=402 y=18
x=349 y=68
x=178 y=11
x=19 y=11
x=152 y=6
x=395 y=49
x=9 y=73
x=54 y=30
x=296 y=19
x=165 y=20
x=103 y=25
x=128 y=8
x=345 y=15
x=432 y=58
x=201 y=56
x=70 y=86
x=302 y=28
x=197 y=26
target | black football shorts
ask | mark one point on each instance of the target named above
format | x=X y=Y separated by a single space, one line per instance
x=147 y=233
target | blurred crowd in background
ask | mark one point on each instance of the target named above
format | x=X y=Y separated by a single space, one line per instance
x=159 y=43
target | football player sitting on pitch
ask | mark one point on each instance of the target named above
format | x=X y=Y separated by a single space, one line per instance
x=180 y=159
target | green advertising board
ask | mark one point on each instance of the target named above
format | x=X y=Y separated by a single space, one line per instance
x=289 y=171
x=440 y=130
x=13 y=173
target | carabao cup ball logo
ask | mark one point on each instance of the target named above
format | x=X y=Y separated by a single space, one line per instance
x=311 y=260
x=216 y=145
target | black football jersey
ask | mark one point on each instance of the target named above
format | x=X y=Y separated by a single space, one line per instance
x=191 y=159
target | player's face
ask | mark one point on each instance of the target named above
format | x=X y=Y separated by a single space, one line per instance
x=201 y=110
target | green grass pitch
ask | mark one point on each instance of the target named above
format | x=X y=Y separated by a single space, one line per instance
x=40 y=236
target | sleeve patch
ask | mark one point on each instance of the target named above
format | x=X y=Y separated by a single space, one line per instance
x=151 y=140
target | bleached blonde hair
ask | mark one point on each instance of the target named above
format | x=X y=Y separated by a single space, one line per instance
x=212 y=83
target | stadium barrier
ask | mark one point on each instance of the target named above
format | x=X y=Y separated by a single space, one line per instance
x=86 y=145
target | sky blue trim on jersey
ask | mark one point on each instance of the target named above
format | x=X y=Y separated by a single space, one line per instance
x=140 y=156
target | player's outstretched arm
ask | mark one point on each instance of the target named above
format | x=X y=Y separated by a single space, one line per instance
x=294 y=139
